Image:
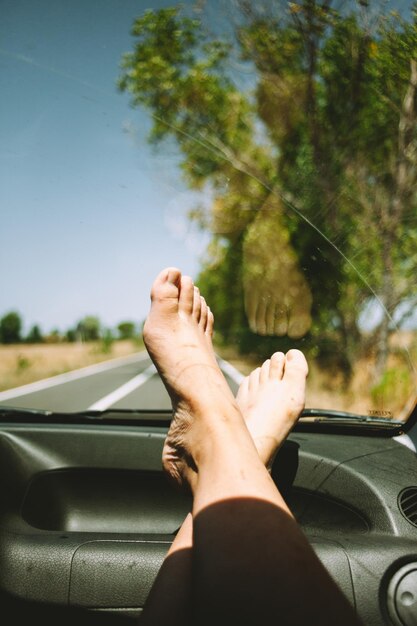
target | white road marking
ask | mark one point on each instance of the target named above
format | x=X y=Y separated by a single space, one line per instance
x=45 y=383
x=136 y=382
x=119 y=393
x=231 y=371
x=116 y=395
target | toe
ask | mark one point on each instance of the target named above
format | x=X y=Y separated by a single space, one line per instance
x=170 y=276
x=261 y=317
x=299 y=325
x=270 y=316
x=204 y=313
x=276 y=369
x=186 y=298
x=254 y=379
x=210 y=322
x=295 y=364
x=264 y=373
x=196 y=304
x=166 y=285
x=281 y=321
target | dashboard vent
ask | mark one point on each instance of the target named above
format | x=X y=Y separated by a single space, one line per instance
x=407 y=501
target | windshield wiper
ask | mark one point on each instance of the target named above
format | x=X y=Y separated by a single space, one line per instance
x=322 y=419
x=324 y=415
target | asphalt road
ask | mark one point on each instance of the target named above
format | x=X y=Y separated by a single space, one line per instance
x=126 y=383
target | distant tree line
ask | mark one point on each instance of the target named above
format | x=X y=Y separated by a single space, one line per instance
x=89 y=328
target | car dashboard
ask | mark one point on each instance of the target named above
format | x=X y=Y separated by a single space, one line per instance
x=87 y=516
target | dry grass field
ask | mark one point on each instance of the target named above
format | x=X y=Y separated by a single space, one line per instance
x=393 y=397
x=21 y=364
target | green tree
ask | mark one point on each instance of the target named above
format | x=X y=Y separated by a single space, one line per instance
x=54 y=336
x=127 y=330
x=377 y=156
x=311 y=164
x=107 y=340
x=10 y=328
x=214 y=124
x=34 y=335
x=88 y=329
x=71 y=335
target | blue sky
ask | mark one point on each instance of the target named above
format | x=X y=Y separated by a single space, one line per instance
x=89 y=212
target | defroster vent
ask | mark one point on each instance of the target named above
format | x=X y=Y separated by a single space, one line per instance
x=407 y=501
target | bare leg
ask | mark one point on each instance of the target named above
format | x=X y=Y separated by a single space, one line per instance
x=169 y=601
x=271 y=399
x=170 y=596
x=178 y=334
x=250 y=559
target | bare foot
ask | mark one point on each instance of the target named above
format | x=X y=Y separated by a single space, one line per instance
x=177 y=335
x=271 y=400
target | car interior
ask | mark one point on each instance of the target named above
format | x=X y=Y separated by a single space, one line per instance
x=269 y=150
x=87 y=514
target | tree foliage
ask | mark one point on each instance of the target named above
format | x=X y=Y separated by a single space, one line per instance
x=311 y=163
x=34 y=335
x=88 y=329
x=126 y=329
x=11 y=328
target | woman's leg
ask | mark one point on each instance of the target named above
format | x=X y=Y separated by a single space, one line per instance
x=251 y=561
x=170 y=597
x=271 y=399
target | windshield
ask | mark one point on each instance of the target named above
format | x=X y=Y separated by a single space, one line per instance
x=267 y=149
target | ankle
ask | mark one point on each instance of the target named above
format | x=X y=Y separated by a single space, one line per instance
x=224 y=438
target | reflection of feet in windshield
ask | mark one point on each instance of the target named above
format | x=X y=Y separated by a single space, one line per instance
x=177 y=335
x=271 y=399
